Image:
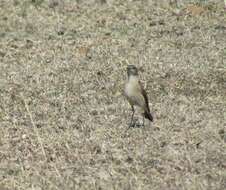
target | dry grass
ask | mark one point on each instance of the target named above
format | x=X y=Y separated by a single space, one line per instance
x=62 y=115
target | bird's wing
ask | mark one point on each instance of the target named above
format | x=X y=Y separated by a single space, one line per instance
x=145 y=97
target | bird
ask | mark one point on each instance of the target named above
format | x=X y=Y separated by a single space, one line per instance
x=136 y=95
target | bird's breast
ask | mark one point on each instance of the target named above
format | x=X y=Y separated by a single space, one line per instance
x=131 y=88
x=133 y=92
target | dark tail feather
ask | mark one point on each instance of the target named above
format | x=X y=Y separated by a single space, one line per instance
x=148 y=116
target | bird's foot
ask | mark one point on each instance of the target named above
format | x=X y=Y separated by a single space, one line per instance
x=139 y=125
x=136 y=124
x=132 y=124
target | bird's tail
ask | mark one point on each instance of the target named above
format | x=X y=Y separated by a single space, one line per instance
x=148 y=116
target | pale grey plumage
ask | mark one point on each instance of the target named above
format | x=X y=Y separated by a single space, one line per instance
x=135 y=93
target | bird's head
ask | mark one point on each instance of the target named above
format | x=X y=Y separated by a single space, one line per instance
x=132 y=70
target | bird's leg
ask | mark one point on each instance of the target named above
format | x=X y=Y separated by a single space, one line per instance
x=143 y=121
x=131 y=121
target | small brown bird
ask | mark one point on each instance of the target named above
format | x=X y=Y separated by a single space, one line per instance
x=136 y=95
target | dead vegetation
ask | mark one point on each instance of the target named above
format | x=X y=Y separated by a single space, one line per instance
x=62 y=115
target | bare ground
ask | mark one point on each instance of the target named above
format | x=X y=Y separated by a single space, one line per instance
x=63 y=118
